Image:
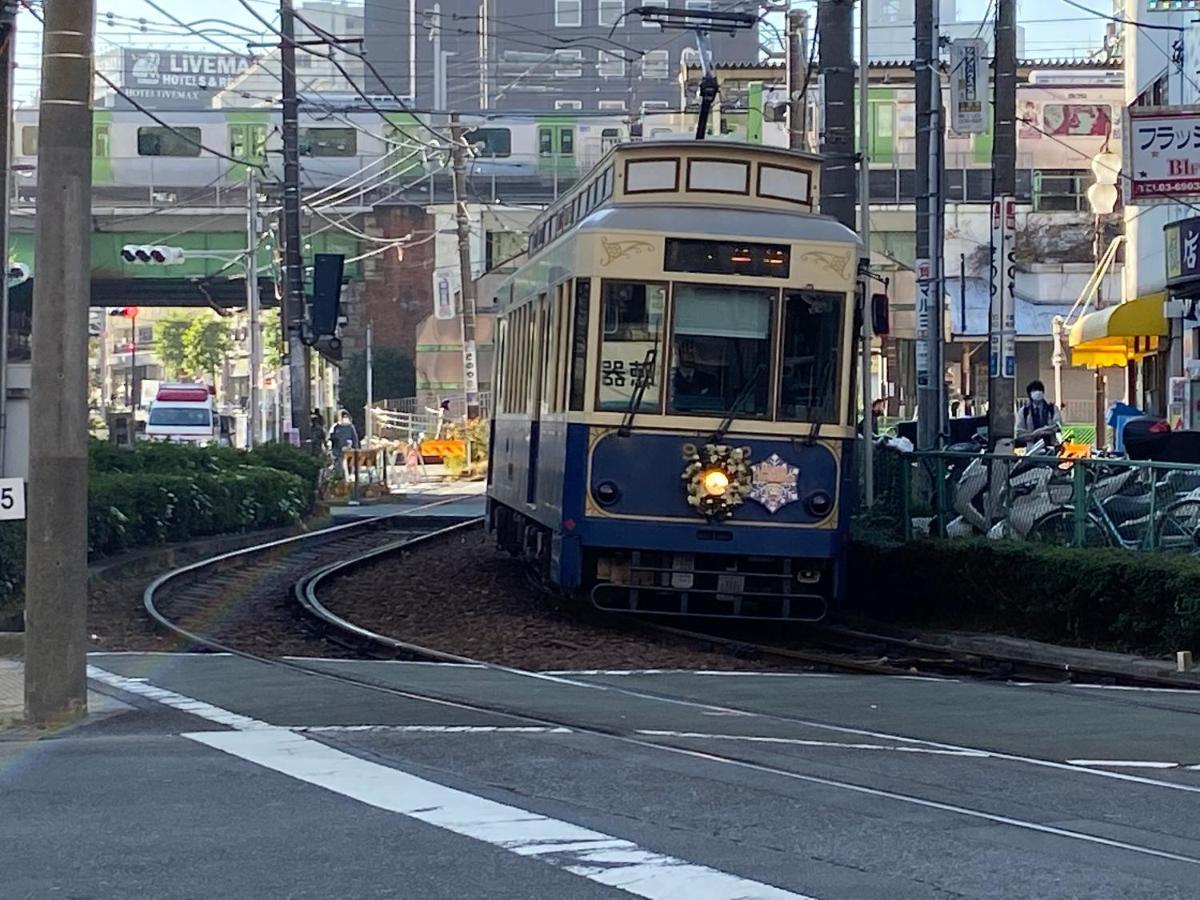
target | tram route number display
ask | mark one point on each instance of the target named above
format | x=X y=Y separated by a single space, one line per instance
x=622 y=368
x=12 y=499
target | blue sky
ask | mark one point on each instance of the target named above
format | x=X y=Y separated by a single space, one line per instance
x=1052 y=28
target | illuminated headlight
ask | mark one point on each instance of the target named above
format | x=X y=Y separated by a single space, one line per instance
x=716 y=482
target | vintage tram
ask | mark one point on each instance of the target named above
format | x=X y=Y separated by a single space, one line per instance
x=673 y=422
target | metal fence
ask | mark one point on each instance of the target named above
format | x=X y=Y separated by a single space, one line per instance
x=1044 y=499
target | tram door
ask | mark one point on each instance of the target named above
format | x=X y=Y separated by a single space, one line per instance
x=538 y=346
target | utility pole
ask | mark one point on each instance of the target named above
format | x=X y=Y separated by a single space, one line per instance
x=8 y=40
x=1002 y=337
x=838 y=175
x=292 y=307
x=254 y=311
x=56 y=537
x=930 y=375
x=797 y=78
x=864 y=233
x=458 y=149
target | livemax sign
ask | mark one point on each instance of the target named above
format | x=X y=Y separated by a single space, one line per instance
x=168 y=79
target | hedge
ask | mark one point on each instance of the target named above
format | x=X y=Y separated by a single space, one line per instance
x=161 y=493
x=1105 y=598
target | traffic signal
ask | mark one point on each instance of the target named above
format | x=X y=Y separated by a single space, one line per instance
x=328 y=269
x=153 y=253
x=125 y=312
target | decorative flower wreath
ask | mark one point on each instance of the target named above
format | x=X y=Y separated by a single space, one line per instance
x=711 y=459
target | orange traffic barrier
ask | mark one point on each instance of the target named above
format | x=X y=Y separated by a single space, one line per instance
x=437 y=448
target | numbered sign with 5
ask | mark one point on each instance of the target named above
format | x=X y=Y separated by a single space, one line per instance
x=12 y=498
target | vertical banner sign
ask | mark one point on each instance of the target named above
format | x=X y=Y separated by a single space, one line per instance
x=924 y=289
x=968 y=87
x=443 y=306
x=995 y=304
x=470 y=373
x=1008 y=286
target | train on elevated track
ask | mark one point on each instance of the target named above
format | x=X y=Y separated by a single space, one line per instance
x=673 y=420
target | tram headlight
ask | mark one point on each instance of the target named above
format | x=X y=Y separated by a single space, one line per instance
x=820 y=504
x=607 y=493
x=716 y=482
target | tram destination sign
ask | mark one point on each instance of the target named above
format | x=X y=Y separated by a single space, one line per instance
x=171 y=79
x=1162 y=155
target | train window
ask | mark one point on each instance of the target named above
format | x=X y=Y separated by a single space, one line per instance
x=493 y=143
x=545 y=142
x=550 y=351
x=606 y=184
x=247 y=141
x=811 y=359
x=579 y=342
x=564 y=344
x=29 y=140
x=727 y=258
x=328 y=142
x=153 y=140
x=566 y=141
x=102 y=141
x=721 y=350
x=631 y=338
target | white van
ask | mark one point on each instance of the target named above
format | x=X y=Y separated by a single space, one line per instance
x=183 y=413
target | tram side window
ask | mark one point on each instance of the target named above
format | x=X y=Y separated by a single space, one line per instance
x=630 y=341
x=721 y=351
x=809 y=386
x=579 y=343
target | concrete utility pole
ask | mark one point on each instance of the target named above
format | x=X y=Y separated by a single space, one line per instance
x=293 y=266
x=930 y=133
x=864 y=233
x=254 y=311
x=838 y=176
x=458 y=150
x=8 y=40
x=56 y=552
x=797 y=78
x=1002 y=355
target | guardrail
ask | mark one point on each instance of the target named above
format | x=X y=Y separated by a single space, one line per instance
x=1133 y=505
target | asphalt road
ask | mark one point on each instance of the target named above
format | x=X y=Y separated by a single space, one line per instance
x=216 y=776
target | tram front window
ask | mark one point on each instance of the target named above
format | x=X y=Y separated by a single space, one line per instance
x=633 y=312
x=812 y=329
x=721 y=351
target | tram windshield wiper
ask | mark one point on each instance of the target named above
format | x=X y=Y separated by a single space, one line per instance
x=642 y=380
x=741 y=398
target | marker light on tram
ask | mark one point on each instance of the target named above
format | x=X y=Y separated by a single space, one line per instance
x=716 y=482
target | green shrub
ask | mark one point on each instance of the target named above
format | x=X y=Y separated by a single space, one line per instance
x=1114 y=599
x=12 y=567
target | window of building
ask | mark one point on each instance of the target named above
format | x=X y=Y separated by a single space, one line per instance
x=610 y=65
x=568 y=104
x=29 y=140
x=568 y=13
x=568 y=63
x=721 y=350
x=328 y=142
x=153 y=140
x=656 y=65
x=630 y=344
x=812 y=329
x=490 y=142
x=610 y=11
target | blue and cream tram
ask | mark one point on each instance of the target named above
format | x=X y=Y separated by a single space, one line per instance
x=673 y=422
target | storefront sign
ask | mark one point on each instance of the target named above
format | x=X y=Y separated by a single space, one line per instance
x=169 y=79
x=1162 y=154
x=924 y=290
x=968 y=87
x=1182 y=251
x=1002 y=356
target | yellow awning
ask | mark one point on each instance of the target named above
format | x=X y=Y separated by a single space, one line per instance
x=1119 y=334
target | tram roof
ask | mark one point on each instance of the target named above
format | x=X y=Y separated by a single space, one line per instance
x=730 y=222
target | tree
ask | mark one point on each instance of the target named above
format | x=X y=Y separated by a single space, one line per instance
x=169 y=343
x=394 y=377
x=272 y=340
x=205 y=343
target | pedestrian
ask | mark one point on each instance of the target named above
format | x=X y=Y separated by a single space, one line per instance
x=343 y=436
x=876 y=416
x=412 y=463
x=1039 y=413
x=316 y=426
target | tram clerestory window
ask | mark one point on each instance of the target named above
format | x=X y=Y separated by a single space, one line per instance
x=630 y=336
x=811 y=359
x=721 y=351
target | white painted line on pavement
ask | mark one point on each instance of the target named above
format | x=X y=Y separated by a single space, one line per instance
x=1124 y=763
x=708 y=672
x=141 y=688
x=381 y=662
x=800 y=742
x=598 y=857
x=430 y=729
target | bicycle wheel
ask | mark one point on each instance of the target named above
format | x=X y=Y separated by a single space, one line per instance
x=1058 y=527
x=1178 y=528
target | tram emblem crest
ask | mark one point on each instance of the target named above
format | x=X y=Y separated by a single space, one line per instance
x=774 y=483
x=614 y=250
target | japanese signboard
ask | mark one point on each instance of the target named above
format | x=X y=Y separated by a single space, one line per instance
x=1182 y=250
x=622 y=369
x=968 y=87
x=470 y=373
x=1162 y=154
x=1002 y=355
x=924 y=301
x=169 y=79
x=443 y=305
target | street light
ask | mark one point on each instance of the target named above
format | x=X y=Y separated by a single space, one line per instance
x=1102 y=197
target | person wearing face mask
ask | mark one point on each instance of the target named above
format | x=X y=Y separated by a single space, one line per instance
x=1039 y=414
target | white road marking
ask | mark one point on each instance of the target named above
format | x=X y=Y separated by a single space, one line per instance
x=800 y=742
x=707 y=672
x=1111 y=687
x=141 y=688
x=590 y=854
x=384 y=662
x=1124 y=763
x=430 y=729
